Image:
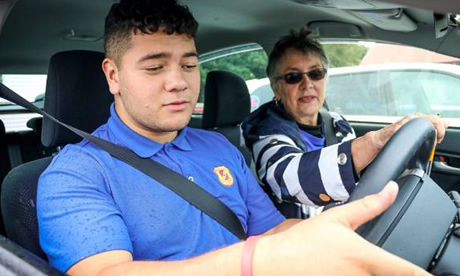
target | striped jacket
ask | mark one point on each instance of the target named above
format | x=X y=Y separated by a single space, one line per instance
x=291 y=170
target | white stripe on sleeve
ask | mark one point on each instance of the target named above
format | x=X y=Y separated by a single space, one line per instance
x=267 y=155
x=264 y=140
x=330 y=174
x=350 y=136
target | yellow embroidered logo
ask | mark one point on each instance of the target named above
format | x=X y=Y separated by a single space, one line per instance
x=224 y=175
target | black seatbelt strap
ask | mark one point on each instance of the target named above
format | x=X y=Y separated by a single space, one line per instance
x=177 y=183
x=331 y=139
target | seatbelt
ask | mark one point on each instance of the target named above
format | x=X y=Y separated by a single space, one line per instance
x=331 y=139
x=177 y=183
x=329 y=134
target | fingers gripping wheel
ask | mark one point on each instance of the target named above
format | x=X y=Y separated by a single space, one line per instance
x=415 y=226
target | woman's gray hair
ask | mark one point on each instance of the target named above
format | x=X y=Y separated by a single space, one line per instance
x=301 y=41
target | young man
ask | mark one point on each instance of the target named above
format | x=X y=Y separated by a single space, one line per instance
x=107 y=218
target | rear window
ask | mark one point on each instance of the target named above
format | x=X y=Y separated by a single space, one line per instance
x=30 y=87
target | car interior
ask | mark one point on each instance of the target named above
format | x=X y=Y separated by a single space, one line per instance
x=63 y=40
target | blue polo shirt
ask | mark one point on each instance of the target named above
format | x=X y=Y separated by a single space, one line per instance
x=89 y=202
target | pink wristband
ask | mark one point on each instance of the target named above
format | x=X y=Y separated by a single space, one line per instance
x=248 y=252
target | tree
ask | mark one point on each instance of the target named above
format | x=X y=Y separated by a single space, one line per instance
x=341 y=55
x=249 y=65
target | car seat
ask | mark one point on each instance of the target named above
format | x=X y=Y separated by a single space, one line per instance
x=77 y=94
x=226 y=103
x=5 y=164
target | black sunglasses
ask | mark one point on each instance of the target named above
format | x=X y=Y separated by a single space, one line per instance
x=296 y=77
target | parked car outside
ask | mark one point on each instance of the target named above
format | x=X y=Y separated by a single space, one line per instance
x=385 y=92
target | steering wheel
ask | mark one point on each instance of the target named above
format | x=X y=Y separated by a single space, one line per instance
x=408 y=148
x=415 y=226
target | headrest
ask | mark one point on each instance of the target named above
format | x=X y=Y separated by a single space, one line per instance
x=2 y=129
x=35 y=124
x=76 y=94
x=226 y=100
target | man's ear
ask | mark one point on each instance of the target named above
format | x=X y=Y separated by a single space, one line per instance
x=110 y=69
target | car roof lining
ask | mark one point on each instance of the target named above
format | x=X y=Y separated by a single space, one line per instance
x=441 y=6
x=222 y=24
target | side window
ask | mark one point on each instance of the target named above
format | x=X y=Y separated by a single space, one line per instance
x=443 y=94
x=358 y=94
x=381 y=82
x=409 y=96
x=249 y=61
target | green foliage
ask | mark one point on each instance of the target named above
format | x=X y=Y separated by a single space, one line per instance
x=341 y=55
x=249 y=65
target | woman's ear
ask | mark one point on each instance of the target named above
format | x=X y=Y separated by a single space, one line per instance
x=110 y=69
x=276 y=98
x=275 y=88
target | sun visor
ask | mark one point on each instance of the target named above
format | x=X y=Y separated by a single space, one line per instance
x=5 y=8
x=388 y=19
x=325 y=29
x=349 y=4
x=386 y=16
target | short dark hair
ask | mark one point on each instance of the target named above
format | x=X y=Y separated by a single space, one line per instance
x=129 y=17
x=301 y=41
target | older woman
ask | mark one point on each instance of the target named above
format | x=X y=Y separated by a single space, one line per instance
x=288 y=138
